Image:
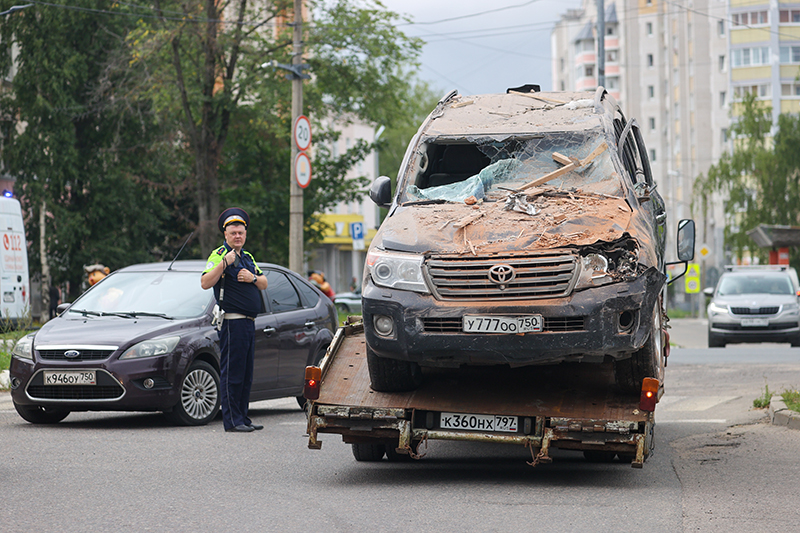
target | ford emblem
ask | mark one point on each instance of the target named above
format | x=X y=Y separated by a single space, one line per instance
x=71 y=354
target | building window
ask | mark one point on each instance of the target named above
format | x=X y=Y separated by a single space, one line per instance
x=723 y=135
x=612 y=56
x=761 y=91
x=612 y=83
x=790 y=54
x=750 y=57
x=610 y=30
x=790 y=89
x=652 y=123
x=588 y=71
x=721 y=62
x=721 y=28
x=649 y=28
x=652 y=155
x=563 y=88
x=722 y=96
x=651 y=91
x=650 y=60
x=753 y=18
x=787 y=16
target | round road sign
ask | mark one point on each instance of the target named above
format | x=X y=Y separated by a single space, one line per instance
x=302 y=170
x=302 y=133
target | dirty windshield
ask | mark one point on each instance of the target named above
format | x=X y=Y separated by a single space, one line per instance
x=489 y=169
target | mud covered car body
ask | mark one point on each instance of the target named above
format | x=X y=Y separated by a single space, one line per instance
x=537 y=207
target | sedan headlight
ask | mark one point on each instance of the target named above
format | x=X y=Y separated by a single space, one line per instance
x=24 y=347
x=397 y=271
x=151 y=348
x=714 y=309
x=790 y=308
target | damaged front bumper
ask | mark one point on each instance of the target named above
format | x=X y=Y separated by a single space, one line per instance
x=589 y=325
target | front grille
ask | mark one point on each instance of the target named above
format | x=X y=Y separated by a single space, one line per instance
x=453 y=325
x=85 y=355
x=74 y=392
x=749 y=329
x=759 y=311
x=537 y=275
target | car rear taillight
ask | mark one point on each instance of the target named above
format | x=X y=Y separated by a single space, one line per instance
x=313 y=378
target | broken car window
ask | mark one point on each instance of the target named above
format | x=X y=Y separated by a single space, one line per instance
x=489 y=169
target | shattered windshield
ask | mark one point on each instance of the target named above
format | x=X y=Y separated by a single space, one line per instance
x=489 y=169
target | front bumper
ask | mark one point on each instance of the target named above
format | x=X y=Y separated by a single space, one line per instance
x=589 y=325
x=783 y=327
x=119 y=384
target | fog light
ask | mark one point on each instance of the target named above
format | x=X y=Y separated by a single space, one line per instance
x=148 y=383
x=626 y=320
x=14 y=383
x=383 y=325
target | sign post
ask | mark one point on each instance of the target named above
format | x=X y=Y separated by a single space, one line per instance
x=357 y=231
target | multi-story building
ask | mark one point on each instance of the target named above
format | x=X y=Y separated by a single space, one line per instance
x=668 y=66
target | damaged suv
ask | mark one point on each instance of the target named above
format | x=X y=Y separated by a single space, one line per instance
x=526 y=229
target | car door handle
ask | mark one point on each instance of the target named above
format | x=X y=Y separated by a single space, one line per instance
x=310 y=324
x=661 y=217
x=269 y=331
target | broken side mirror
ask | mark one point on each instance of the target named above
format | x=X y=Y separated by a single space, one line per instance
x=381 y=191
x=685 y=240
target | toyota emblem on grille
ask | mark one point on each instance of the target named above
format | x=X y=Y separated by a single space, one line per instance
x=71 y=354
x=502 y=275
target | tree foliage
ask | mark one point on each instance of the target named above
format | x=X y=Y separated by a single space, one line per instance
x=134 y=125
x=759 y=179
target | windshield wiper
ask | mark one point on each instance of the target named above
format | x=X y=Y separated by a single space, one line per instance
x=123 y=315
x=134 y=314
x=84 y=312
x=425 y=202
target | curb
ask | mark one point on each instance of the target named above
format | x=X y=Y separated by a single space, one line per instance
x=780 y=415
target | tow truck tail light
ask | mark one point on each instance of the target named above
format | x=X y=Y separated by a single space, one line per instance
x=649 y=397
x=313 y=377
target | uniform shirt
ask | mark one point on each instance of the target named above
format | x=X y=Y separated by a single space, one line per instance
x=244 y=298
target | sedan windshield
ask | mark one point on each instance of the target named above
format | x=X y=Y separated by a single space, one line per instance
x=136 y=294
x=488 y=169
x=755 y=284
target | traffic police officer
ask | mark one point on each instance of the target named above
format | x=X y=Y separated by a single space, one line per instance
x=237 y=283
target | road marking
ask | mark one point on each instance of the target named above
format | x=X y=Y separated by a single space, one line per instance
x=694 y=421
x=692 y=403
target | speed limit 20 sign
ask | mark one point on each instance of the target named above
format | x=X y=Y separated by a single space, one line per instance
x=302 y=133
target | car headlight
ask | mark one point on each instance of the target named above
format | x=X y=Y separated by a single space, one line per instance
x=714 y=309
x=24 y=347
x=397 y=271
x=790 y=307
x=594 y=271
x=151 y=348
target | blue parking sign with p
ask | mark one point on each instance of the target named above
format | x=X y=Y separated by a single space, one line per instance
x=357 y=230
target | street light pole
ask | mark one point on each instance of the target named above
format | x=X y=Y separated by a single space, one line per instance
x=295 y=192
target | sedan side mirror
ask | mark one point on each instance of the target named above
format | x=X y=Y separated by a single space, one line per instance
x=708 y=291
x=381 y=191
x=63 y=307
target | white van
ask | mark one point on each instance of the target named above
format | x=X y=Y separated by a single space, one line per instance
x=14 y=282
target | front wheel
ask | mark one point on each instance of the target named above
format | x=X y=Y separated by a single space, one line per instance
x=648 y=362
x=39 y=414
x=199 y=402
x=393 y=375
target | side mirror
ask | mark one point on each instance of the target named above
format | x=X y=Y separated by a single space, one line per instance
x=686 y=240
x=381 y=191
x=709 y=291
x=63 y=307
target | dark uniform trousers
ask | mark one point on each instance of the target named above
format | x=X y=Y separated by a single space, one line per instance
x=236 y=361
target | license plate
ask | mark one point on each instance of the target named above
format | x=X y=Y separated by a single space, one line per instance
x=82 y=377
x=502 y=324
x=755 y=322
x=507 y=424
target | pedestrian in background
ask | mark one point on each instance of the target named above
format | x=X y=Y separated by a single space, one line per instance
x=55 y=301
x=237 y=283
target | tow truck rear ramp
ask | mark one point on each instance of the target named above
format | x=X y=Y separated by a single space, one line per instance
x=567 y=406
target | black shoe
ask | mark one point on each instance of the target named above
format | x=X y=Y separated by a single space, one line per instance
x=241 y=429
x=256 y=427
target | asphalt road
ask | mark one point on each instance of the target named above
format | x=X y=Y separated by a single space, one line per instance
x=718 y=466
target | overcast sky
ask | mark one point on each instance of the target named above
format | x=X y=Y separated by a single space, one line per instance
x=506 y=44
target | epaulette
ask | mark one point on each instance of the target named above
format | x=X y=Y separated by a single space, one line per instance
x=221 y=251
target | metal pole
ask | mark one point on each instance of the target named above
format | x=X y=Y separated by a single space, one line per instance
x=601 y=43
x=295 y=192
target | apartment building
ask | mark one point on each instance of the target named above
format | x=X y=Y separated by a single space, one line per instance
x=668 y=65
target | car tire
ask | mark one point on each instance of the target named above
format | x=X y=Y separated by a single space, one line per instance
x=39 y=414
x=392 y=375
x=199 y=396
x=342 y=307
x=717 y=341
x=368 y=451
x=647 y=362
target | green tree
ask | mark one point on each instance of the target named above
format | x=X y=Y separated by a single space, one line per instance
x=759 y=178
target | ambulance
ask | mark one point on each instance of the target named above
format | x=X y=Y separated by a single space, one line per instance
x=14 y=282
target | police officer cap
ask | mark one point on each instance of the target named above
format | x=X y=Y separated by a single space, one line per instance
x=233 y=214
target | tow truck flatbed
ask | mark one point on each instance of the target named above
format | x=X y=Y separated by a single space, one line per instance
x=568 y=406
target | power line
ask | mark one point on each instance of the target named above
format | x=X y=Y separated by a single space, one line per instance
x=470 y=15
